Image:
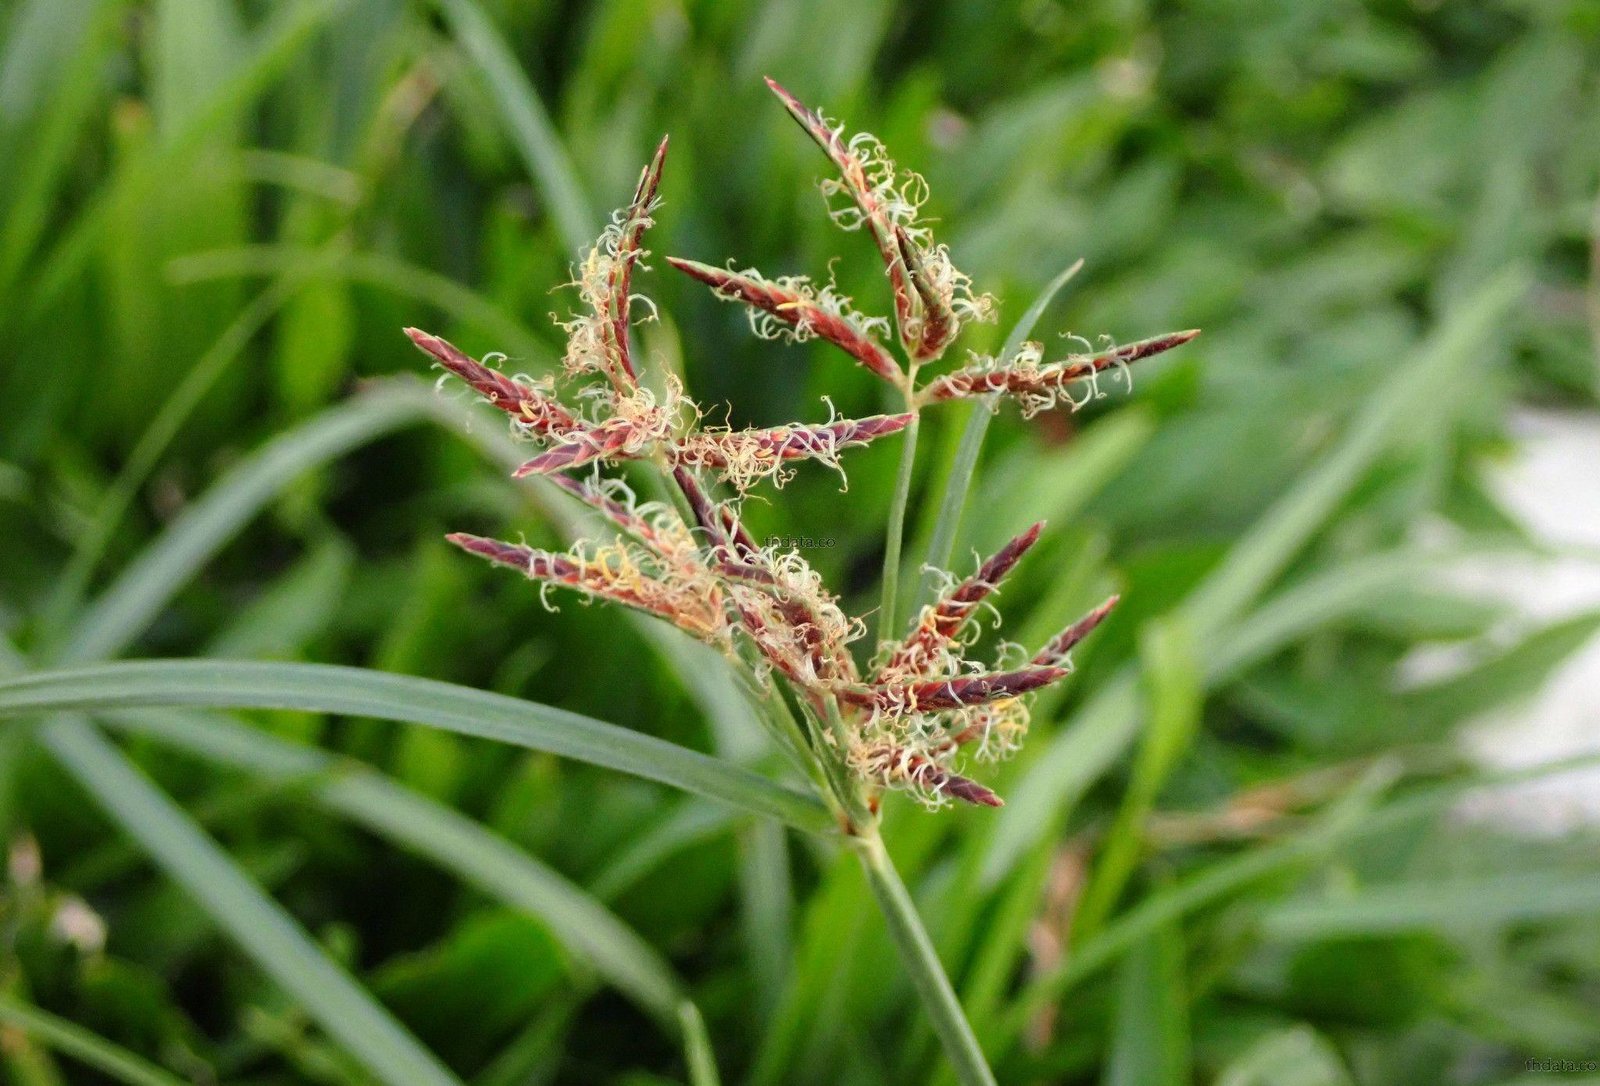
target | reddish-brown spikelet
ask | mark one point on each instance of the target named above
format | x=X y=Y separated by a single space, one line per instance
x=620 y=583
x=852 y=171
x=608 y=441
x=516 y=555
x=1023 y=381
x=1064 y=642
x=939 y=320
x=636 y=219
x=897 y=765
x=711 y=449
x=953 y=692
x=941 y=622
x=530 y=406
x=613 y=510
x=793 y=308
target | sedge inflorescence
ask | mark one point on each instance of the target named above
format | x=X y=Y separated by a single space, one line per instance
x=908 y=718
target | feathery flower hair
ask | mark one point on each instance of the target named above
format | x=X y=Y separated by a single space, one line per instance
x=907 y=720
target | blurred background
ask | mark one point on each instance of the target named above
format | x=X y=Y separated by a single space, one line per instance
x=1268 y=834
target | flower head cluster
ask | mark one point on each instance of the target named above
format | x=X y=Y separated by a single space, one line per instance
x=906 y=720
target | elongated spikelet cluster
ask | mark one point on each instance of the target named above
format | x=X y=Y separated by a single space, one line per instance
x=909 y=720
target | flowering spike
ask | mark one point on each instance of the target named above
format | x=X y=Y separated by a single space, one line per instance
x=612 y=440
x=515 y=555
x=743 y=456
x=927 y=707
x=1055 y=653
x=896 y=765
x=866 y=178
x=939 y=322
x=941 y=621
x=636 y=219
x=804 y=311
x=661 y=535
x=612 y=573
x=531 y=407
x=955 y=691
x=1040 y=386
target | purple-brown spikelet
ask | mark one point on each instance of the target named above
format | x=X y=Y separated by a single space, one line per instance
x=636 y=219
x=694 y=563
x=862 y=177
x=940 y=622
x=744 y=456
x=514 y=555
x=1064 y=642
x=953 y=692
x=807 y=312
x=940 y=322
x=1045 y=385
x=530 y=406
x=898 y=766
x=608 y=441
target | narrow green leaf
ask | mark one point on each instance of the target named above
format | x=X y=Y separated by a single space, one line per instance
x=690 y=824
x=289 y=31
x=1518 y=672
x=1101 y=731
x=381 y=271
x=959 y=480
x=256 y=923
x=531 y=130
x=175 y=411
x=441 y=834
x=1298 y=1056
x=350 y=691
x=1353 y=816
x=766 y=893
x=1150 y=1036
x=1450 y=904
x=116 y=618
x=82 y=1044
x=1173 y=676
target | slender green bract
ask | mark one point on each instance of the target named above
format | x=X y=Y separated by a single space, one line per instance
x=117 y=617
x=959 y=482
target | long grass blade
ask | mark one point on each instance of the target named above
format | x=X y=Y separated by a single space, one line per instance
x=290 y=30
x=382 y=271
x=84 y=1045
x=117 y=617
x=175 y=411
x=257 y=924
x=441 y=834
x=350 y=691
x=531 y=130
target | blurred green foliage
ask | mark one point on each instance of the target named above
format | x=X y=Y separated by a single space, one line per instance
x=1230 y=859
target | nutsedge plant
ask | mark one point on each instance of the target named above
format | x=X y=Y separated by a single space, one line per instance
x=910 y=717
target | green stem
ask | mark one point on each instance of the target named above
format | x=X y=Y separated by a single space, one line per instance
x=922 y=962
x=887 y=626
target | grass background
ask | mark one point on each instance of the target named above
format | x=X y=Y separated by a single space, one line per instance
x=1227 y=855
